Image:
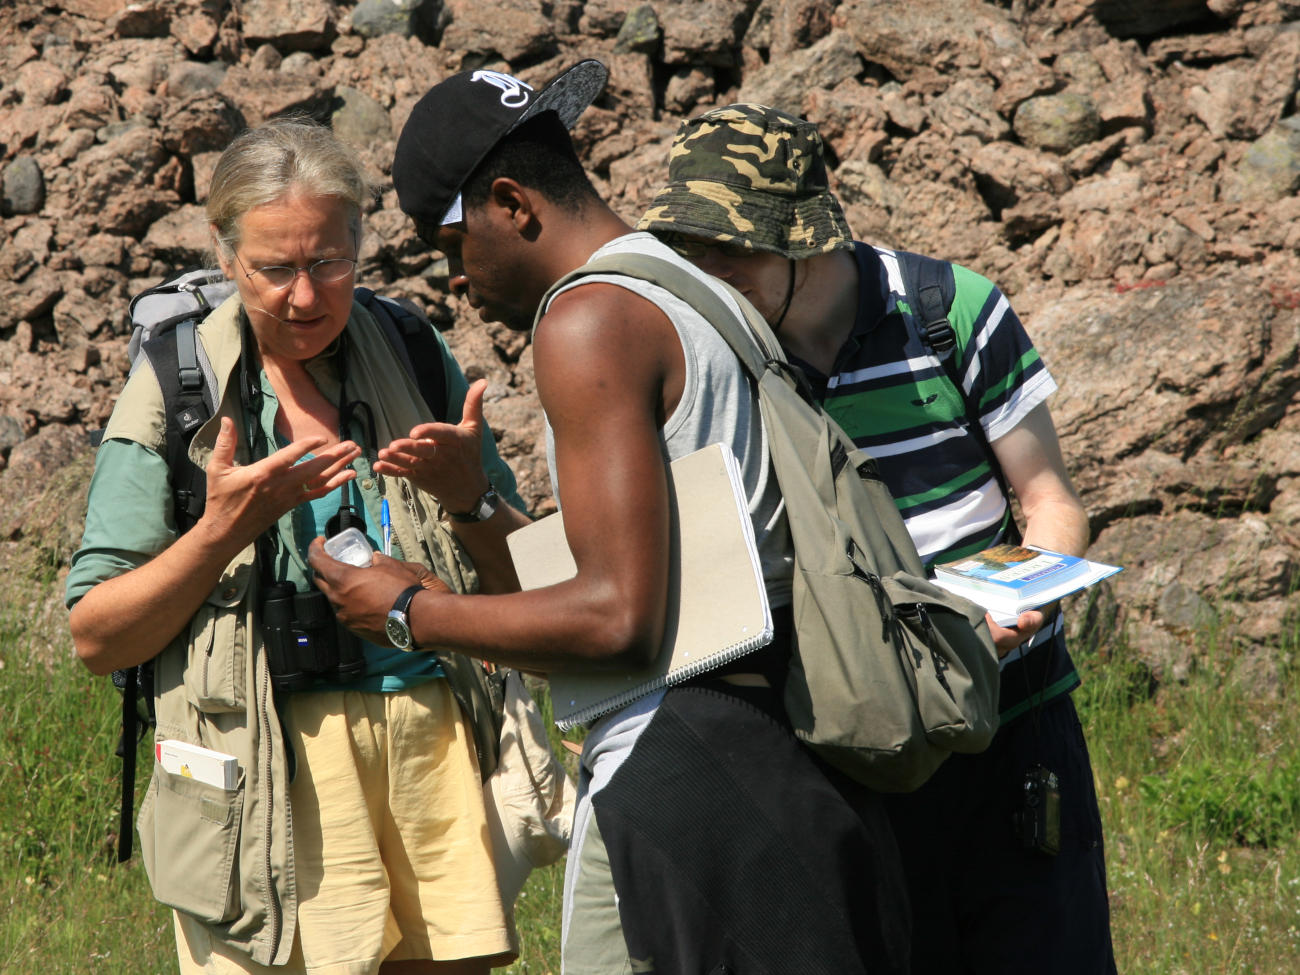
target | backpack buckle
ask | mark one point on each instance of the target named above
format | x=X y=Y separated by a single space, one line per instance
x=940 y=336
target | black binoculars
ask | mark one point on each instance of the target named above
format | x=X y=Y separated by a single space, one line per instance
x=304 y=640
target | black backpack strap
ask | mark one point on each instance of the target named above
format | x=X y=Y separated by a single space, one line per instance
x=173 y=355
x=135 y=685
x=935 y=291
x=128 y=745
x=931 y=288
x=411 y=336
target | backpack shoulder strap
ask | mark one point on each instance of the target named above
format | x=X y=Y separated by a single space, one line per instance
x=174 y=355
x=755 y=346
x=931 y=289
x=187 y=387
x=412 y=337
x=127 y=746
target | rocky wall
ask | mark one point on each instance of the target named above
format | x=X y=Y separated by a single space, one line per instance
x=1126 y=172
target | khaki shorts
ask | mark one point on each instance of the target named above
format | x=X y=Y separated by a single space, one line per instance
x=390 y=838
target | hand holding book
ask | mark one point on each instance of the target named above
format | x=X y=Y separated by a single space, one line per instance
x=1009 y=579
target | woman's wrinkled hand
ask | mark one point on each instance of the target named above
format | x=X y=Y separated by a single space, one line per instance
x=244 y=501
x=443 y=459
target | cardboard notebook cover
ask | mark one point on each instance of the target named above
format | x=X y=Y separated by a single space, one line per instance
x=717 y=603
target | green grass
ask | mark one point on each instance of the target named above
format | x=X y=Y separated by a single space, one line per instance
x=69 y=905
x=1199 y=785
x=537 y=913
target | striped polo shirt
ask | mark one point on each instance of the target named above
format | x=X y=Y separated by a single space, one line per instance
x=893 y=397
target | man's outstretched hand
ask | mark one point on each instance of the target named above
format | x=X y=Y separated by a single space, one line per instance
x=1007 y=638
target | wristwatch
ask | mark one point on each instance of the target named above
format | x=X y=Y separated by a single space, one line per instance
x=483 y=508
x=398 y=624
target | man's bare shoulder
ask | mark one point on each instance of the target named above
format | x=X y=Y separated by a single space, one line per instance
x=602 y=321
x=600 y=306
x=603 y=343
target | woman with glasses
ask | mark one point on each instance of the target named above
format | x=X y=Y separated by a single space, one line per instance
x=352 y=838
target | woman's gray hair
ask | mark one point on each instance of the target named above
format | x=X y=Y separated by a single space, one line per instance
x=265 y=163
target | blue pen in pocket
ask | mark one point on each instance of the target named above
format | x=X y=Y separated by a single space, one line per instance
x=386 y=523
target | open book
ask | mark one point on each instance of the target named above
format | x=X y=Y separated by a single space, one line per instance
x=1009 y=579
x=717 y=603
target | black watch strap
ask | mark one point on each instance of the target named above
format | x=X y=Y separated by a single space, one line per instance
x=398 y=624
x=403 y=602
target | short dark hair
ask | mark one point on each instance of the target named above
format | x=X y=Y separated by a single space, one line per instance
x=539 y=154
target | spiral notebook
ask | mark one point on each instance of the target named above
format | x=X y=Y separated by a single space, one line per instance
x=717 y=603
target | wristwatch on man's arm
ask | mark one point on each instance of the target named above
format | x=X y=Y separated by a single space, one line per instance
x=398 y=624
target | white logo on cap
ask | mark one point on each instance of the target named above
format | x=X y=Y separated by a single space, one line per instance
x=514 y=93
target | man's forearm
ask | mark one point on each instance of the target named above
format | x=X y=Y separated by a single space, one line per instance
x=541 y=630
x=1060 y=526
x=486 y=543
x=577 y=624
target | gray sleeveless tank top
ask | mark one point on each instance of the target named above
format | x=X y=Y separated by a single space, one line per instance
x=717 y=406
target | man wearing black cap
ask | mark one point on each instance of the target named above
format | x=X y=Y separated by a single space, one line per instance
x=706 y=838
x=747 y=199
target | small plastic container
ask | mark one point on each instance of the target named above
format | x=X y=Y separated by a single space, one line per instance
x=350 y=546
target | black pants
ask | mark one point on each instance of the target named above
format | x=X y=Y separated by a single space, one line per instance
x=981 y=903
x=734 y=850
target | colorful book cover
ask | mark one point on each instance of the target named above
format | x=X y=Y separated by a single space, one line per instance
x=1009 y=579
x=1013 y=569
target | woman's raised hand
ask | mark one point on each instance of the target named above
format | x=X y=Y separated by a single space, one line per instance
x=244 y=501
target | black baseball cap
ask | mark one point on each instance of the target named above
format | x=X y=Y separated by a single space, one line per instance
x=459 y=121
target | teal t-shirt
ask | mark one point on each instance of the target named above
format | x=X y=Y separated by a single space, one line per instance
x=387 y=668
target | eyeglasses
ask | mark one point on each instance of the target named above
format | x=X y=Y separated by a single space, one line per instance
x=279 y=277
x=693 y=248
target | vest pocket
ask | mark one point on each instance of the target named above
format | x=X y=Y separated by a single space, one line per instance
x=214 y=679
x=189 y=833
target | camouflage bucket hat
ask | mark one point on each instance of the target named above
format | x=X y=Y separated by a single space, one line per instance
x=753 y=175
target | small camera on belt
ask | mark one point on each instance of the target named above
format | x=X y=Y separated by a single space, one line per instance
x=304 y=640
x=1038 y=819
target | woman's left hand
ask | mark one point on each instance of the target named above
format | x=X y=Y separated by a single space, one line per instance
x=443 y=459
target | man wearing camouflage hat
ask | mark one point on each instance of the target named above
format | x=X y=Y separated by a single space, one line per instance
x=927 y=367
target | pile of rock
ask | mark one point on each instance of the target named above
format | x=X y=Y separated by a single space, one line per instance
x=1127 y=172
